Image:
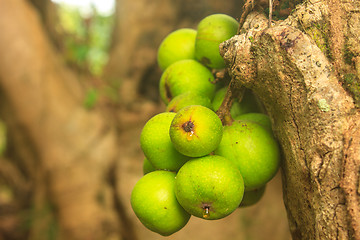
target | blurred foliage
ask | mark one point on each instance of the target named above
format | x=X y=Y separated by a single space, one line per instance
x=43 y=215
x=91 y=98
x=86 y=38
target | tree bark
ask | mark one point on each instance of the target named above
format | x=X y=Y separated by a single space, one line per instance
x=297 y=68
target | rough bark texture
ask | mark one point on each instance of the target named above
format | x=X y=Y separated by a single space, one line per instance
x=297 y=73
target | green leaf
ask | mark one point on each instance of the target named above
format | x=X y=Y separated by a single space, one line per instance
x=91 y=98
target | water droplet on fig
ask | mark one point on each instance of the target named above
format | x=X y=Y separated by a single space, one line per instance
x=189 y=135
x=206 y=212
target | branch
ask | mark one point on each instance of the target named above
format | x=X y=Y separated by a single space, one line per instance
x=232 y=92
x=270 y=12
x=12 y=176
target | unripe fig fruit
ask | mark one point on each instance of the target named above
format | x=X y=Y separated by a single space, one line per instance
x=259 y=118
x=209 y=187
x=247 y=104
x=253 y=149
x=154 y=203
x=252 y=197
x=186 y=76
x=157 y=146
x=196 y=131
x=178 y=45
x=211 y=31
x=147 y=166
x=187 y=99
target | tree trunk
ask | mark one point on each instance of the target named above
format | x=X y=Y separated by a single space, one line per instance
x=66 y=149
x=300 y=69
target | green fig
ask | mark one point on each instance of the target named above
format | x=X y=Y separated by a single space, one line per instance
x=196 y=131
x=178 y=45
x=209 y=187
x=211 y=31
x=187 y=99
x=253 y=149
x=147 y=167
x=186 y=76
x=252 y=197
x=154 y=202
x=156 y=143
x=259 y=118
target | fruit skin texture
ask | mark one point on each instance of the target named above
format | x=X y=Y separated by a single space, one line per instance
x=196 y=131
x=259 y=118
x=253 y=149
x=187 y=99
x=211 y=182
x=154 y=203
x=157 y=146
x=178 y=45
x=186 y=76
x=211 y=31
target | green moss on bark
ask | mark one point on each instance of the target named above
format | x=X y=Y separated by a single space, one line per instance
x=352 y=84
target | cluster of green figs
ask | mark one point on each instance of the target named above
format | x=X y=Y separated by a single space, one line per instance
x=194 y=165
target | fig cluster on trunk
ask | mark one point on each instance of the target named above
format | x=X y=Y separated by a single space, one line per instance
x=193 y=164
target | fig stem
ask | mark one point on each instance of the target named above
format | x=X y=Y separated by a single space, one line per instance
x=233 y=91
x=188 y=126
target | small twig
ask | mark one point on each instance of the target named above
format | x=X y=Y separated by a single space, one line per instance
x=270 y=12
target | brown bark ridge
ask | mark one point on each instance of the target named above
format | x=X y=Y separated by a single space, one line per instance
x=69 y=148
x=293 y=68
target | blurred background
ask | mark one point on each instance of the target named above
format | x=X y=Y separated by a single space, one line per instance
x=78 y=81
